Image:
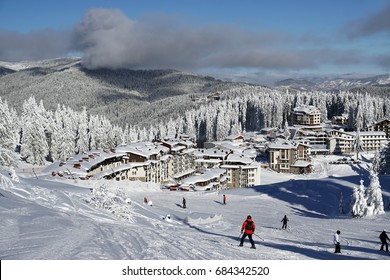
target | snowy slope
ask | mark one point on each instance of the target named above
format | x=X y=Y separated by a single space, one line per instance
x=50 y=219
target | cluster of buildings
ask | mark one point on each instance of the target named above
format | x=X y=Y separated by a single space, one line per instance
x=176 y=163
x=292 y=149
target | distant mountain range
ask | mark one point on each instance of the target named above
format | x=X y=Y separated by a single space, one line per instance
x=330 y=84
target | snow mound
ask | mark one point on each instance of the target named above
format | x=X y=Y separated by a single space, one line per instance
x=116 y=203
x=202 y=219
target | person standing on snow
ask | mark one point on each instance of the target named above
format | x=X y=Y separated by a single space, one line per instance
x=184 y=203
x=224 y=199
x=248 y=228
x=284 y=221
x=336 y=241
x=383 y=237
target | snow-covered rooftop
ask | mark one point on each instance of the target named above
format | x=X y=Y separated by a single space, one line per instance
x=308 y=109
x=206 y=175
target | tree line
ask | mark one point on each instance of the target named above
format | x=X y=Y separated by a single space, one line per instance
x=38 y=135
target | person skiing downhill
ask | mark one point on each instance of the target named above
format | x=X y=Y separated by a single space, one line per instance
x=248 y=228
x=284 y=221
x=383 y=237
x=224 y=199
x=336 y=241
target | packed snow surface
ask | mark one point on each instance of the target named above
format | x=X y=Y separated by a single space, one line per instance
x=45 y=217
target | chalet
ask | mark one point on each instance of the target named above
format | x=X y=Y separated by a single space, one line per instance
x=214 y=96
x=340 y=120
x=235 y=138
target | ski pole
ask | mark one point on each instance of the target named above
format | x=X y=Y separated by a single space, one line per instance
x=262 y=239
x=239 y=236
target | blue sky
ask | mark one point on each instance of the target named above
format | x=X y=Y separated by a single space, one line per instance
x=244 y=38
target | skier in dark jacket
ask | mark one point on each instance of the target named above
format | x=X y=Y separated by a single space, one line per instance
x=383 y=237
x=336 y=241
x=284 y=221
x=184 y=203
x=248 y=228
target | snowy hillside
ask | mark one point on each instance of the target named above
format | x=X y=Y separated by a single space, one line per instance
x=137 y=94
x=61 y=219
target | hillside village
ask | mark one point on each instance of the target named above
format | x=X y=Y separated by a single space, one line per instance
x=177 y=164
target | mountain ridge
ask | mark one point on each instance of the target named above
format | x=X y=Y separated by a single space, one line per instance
x=331 y=84
x=122 y=94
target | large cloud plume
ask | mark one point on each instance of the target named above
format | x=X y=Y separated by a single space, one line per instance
x=372 y=24
x=108 y=38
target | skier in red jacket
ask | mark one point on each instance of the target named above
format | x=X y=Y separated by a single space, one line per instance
x=248 y=228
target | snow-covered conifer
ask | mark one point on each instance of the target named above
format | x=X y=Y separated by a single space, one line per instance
x=286 y=130
x=82 y=140
x=359 y=203
x=358 y=144
x=9 y=129
x=116 y=202
x=7 y=157
x=34 y=147
x=374 y=195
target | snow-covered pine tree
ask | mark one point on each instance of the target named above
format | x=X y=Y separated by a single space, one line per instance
x=69 y=133
x=8 y=135
x=9 y=127
x=286 y=131
x=82 y=140
x=189 y=127
x=374 y=195
x=358 y=144
x=34 y=147
x=7 y=157
x=116 y=202
x=359 y=203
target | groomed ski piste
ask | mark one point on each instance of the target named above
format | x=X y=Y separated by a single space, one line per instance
x=45 y=217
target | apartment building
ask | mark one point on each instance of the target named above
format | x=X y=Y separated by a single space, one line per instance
x=171 y=159
x=205 y=180
x=383 y=125
x=341 y=142
x=181 y=148
x=289 y=157
x=306 y=115
x=241 y=171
